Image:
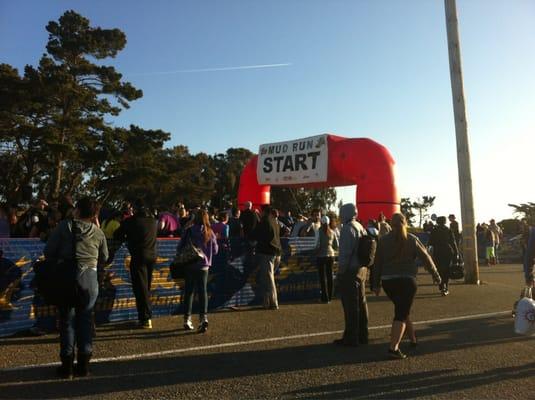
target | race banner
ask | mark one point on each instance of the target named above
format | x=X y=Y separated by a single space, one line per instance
x=293 y=162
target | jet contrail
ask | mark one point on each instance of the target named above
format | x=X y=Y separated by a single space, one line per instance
x=179 y=71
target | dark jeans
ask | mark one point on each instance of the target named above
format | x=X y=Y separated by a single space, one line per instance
x=75 y=323
x=443 y=266
x=401 y=292
x=196 y=279
x=353 y=296
x=325 y=270
x=141 y=274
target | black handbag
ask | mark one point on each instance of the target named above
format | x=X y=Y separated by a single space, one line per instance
x=56 y=280
x=457 y=268
x=186 y=254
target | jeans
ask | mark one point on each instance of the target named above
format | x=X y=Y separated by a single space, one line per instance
x=141 y=273
x=196 y=278
x=266 y=265
x=75 y=323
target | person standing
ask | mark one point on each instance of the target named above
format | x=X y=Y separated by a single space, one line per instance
x=384 y=227
x=529 y=259
x=202 y=236
x=248 y=219
x=444 y=252
x=139 y=232
x=75 y=322
x=325 y=252
x=351 y=278
x=268 y=248
x=498 y=234
x=395 y=269
x=454 y=228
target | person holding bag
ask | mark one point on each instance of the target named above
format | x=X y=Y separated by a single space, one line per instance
x=202 y=237
x=89 y=251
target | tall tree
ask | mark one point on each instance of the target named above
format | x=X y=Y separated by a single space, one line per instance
x=81 y=92
x=422 y=205
x=301 y=200
x=407 y=210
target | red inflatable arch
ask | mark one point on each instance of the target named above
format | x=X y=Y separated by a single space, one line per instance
x=360 y=161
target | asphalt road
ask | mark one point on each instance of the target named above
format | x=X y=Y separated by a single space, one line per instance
x=467 y=350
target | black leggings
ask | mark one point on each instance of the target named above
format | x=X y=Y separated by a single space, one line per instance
x=401 y=291
x=325 y=270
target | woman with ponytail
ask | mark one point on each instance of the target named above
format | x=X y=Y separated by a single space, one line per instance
x=395 y=269
x=202 y=236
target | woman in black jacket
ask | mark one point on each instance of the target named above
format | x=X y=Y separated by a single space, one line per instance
x=444 y=251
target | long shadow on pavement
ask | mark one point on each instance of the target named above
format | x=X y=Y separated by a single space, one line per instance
x=119 y=376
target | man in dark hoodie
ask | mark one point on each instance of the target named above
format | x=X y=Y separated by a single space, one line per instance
x=268 y=247
x=351 y=279
x=91 y=251
x=139 y=232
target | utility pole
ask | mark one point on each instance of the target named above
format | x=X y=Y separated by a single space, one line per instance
x=463 y=148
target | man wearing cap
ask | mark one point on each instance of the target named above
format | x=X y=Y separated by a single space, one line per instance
x=351 y=278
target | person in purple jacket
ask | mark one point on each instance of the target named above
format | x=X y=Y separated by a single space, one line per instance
x=529 y=259
x=202 y=236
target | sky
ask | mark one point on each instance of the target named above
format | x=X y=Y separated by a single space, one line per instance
x=238 y=73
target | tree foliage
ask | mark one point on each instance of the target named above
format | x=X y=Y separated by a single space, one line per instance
x=57 y=136
x=525 y=210
x=422 y=205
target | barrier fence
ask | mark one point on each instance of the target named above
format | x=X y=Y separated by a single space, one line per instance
x=232 y=282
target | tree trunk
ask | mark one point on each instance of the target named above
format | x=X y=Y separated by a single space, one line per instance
x=56 y=183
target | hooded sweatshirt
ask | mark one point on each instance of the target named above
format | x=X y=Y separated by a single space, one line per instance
x=91 y=246
x=349 y=240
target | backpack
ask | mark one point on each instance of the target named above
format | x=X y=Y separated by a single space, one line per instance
x=366 y=247
x=366 y=250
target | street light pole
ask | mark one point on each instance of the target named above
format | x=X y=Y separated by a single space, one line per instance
x=463 y=148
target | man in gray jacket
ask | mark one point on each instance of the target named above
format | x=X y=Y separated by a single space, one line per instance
x=351 y=279
x=75 y=322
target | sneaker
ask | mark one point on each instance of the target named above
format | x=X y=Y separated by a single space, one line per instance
x=188 y=325
x=146 y=324
x=445 y=292
x=396 y=354
x=203 y=327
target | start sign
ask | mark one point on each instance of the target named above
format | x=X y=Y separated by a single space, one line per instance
x=294 y=162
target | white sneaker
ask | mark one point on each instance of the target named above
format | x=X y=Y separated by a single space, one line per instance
x=188 y=325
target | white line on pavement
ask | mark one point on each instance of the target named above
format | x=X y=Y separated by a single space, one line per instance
x=254 y=341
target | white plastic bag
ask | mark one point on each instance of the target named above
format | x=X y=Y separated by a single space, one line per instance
x=525 y=314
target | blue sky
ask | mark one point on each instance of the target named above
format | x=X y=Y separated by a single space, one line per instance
x=376 y=69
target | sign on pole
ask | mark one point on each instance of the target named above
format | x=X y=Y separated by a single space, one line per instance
x=298 y=161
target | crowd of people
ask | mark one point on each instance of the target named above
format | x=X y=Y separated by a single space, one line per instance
x=393 y=266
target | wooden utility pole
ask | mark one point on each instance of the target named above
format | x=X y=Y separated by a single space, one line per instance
x=463 y=148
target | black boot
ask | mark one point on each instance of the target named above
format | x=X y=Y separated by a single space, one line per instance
x=65 y=371
x=82 y=366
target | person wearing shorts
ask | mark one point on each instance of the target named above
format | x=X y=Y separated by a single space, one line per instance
x=395 y=270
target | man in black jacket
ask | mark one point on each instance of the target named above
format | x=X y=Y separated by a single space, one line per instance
x=139 y=232
x=268 y=247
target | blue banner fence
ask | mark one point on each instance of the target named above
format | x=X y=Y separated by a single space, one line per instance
x=232 y=282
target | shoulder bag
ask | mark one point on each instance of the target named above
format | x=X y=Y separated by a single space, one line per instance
x=56 y=280
x=187 y=254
